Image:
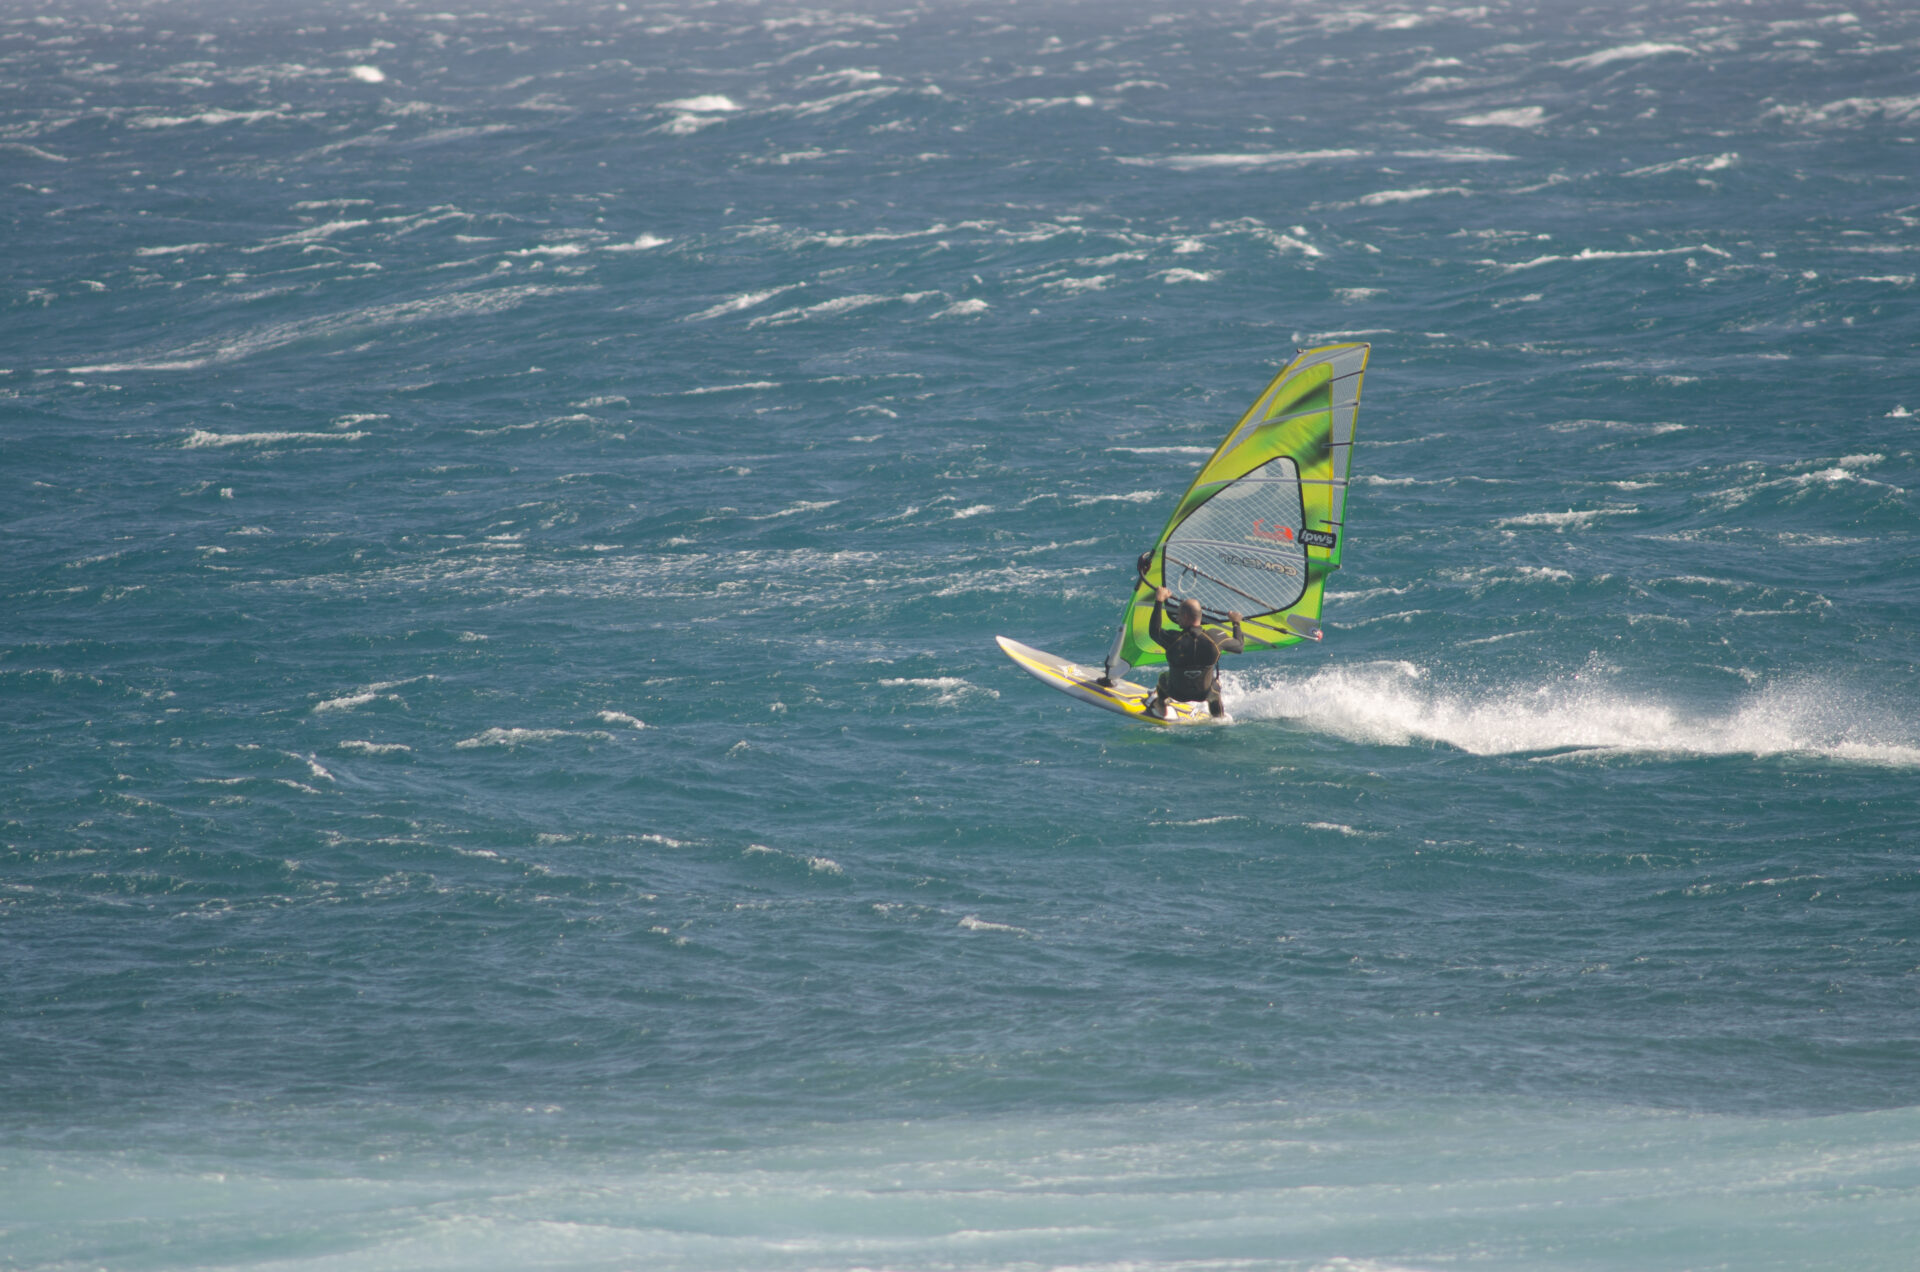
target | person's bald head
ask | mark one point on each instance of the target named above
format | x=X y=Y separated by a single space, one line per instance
x=1189 y=613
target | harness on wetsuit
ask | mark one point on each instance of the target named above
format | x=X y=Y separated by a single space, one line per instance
x=1191 y=660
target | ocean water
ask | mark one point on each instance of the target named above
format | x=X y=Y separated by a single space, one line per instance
x=506 y=512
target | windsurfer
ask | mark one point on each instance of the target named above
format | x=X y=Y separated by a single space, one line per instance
x=1193 y=653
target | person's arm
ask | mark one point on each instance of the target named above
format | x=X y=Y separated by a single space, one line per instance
x=1156 y=627
x=1238 y=645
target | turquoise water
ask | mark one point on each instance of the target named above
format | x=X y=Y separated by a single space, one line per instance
x=507 y=515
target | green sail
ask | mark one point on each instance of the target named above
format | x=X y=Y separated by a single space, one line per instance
x=1262 y=525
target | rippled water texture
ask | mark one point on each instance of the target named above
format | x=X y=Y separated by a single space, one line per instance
x=506 y=515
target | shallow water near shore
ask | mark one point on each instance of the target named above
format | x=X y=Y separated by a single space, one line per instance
x=507 y=516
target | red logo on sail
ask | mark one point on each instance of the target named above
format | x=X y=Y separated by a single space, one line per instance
x=1279 y=534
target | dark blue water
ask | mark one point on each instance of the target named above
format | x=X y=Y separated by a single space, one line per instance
x=506 y=514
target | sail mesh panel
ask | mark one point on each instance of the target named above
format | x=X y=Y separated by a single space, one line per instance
x=1241 y=549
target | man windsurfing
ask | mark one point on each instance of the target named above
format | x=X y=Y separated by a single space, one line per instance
x=1193 y=654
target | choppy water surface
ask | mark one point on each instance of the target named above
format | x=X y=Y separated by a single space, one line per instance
x=506 y=514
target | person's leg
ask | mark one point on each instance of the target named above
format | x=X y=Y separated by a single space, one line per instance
x=1215 y=705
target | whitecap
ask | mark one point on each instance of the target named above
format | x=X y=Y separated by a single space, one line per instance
x=621 y=717
x=1603 y=254
x=1624 y=53
x=805 y=505
x=1074 y=286
x=1563 y=520
x=1511 y=117
x=752 y=385
x=706 y=103
x=513 y=738
x=1132 y=496
x=974 y=923
x=1381 y=197
x=373 y=748
x=346 y=702
x=1241 y=159
x=1850 y=110
x=950 y=689
x=835 y=307
x=200 y=438
x=1693 y=163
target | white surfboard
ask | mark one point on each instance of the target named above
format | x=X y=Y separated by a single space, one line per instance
x=1079 y=681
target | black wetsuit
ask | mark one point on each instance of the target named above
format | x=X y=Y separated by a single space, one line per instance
x=1192 y=655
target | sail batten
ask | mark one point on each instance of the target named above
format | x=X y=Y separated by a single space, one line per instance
x=1262 y=523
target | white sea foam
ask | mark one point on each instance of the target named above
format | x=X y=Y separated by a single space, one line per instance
x=705 y=104
x=1693 y=163
x=1457 y=154
x=1601 y=254
x=210 y=117
x=805 y=505
x=745 y=300
x=373 y=748
x=974 y=923
x=200 y=438
x=311 y=234
x=621 y=717
x=1132 y=496
x=1850 y=110
x=1511 y=117
x=1570 y=519
x=368 y=74
x=1399 y=704
x=36 y=152
x=837 y=306
x=646 y=242
x=1242 y=159
x=1074 y=286
x=821 y=105
x=513 y=738
x=1048 y=103
x=963 y=308
x=1624 y=53
x=1405 y=196
x=949 y=689
x=730 y=388
x=345 y=702
x=551 y=249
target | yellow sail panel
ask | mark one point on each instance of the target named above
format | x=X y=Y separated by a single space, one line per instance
x=1263 y=522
